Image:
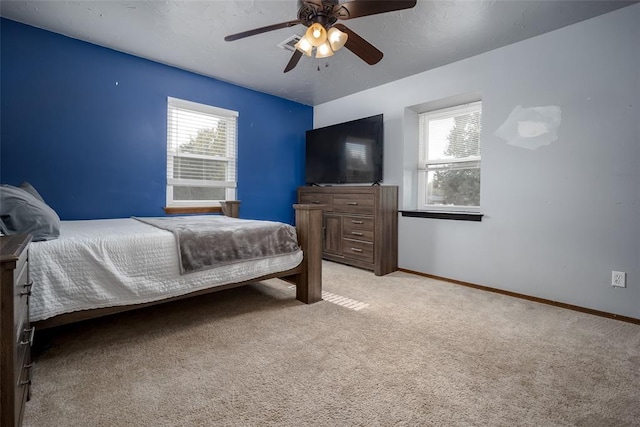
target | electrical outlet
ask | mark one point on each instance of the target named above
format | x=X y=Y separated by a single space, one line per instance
x=618 y=279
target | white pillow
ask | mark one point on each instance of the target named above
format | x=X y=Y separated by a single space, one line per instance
x=22 y=213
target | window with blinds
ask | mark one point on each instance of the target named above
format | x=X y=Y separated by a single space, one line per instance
x=201 y=154
x=449 y=158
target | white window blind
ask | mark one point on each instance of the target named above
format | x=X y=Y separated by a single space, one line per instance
x=201 y=154
x=450 y=158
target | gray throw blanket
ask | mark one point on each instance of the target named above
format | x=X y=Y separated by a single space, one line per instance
x=207 y=241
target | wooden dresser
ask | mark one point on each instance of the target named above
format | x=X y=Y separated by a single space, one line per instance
x=360 y=224
x=16 y=335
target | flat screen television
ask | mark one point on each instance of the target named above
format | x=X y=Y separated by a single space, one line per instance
x=346 y=153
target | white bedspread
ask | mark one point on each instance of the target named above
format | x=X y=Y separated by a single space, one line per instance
x=111 y=262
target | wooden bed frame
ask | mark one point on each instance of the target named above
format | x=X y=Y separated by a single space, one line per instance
x=307 y=276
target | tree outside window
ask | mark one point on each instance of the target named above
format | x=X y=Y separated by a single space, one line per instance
x=450 y=158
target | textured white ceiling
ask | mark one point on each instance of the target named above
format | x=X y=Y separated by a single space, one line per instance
x=190 y=35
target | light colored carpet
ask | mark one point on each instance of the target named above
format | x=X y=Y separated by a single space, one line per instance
x=422 y=353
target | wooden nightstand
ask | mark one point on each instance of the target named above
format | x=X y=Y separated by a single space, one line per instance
x=16 y=335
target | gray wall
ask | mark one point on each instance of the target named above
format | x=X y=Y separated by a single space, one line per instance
x=558 y=217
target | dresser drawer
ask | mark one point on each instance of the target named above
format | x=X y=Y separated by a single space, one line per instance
x=22 y=361
x=354 y=203
x=317 y=199
x=23 y=383
x=21 y=263
x=358 y=227
x=22 y=290
x=24 y=335
x=357 y=249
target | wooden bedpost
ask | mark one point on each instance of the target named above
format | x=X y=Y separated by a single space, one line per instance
x=309 y=230
x=231 y=208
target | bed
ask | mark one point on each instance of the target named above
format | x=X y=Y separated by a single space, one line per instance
x=101 y=267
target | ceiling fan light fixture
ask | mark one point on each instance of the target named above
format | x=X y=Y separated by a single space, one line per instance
x=316 y=34
x=324 y=50
x=304 y=46
x=320 y=16
x=336 y=38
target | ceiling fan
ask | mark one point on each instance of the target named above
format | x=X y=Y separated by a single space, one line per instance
x=327 y=36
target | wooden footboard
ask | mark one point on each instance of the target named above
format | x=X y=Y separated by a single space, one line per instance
x=307 y=276
x=309 y=229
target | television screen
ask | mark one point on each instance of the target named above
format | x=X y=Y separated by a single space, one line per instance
x=346 y=153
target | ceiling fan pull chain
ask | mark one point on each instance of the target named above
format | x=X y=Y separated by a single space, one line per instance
x=326 y=65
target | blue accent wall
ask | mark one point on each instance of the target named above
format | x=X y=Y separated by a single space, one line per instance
x=87 y=126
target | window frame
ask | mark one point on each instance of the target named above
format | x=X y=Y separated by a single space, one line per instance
x=423 y=162
x=232 y=147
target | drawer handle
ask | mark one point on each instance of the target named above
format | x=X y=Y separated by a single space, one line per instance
x=356 y=250
x=31 y=332
x=27 y=289
x=29 y=375
x=356 y=233
x=352 y=203
x=353 y=221
x=315 y=202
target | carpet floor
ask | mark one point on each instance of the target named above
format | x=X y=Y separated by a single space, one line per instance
x=397 y=350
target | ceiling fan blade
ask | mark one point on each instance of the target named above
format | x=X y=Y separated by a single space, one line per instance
x=357 y=8
x=356 y=44
x=317 y=3
x=261 y=30
x=293 y=61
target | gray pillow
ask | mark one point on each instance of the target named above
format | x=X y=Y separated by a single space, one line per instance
x=22 y=213
x=29 y=188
